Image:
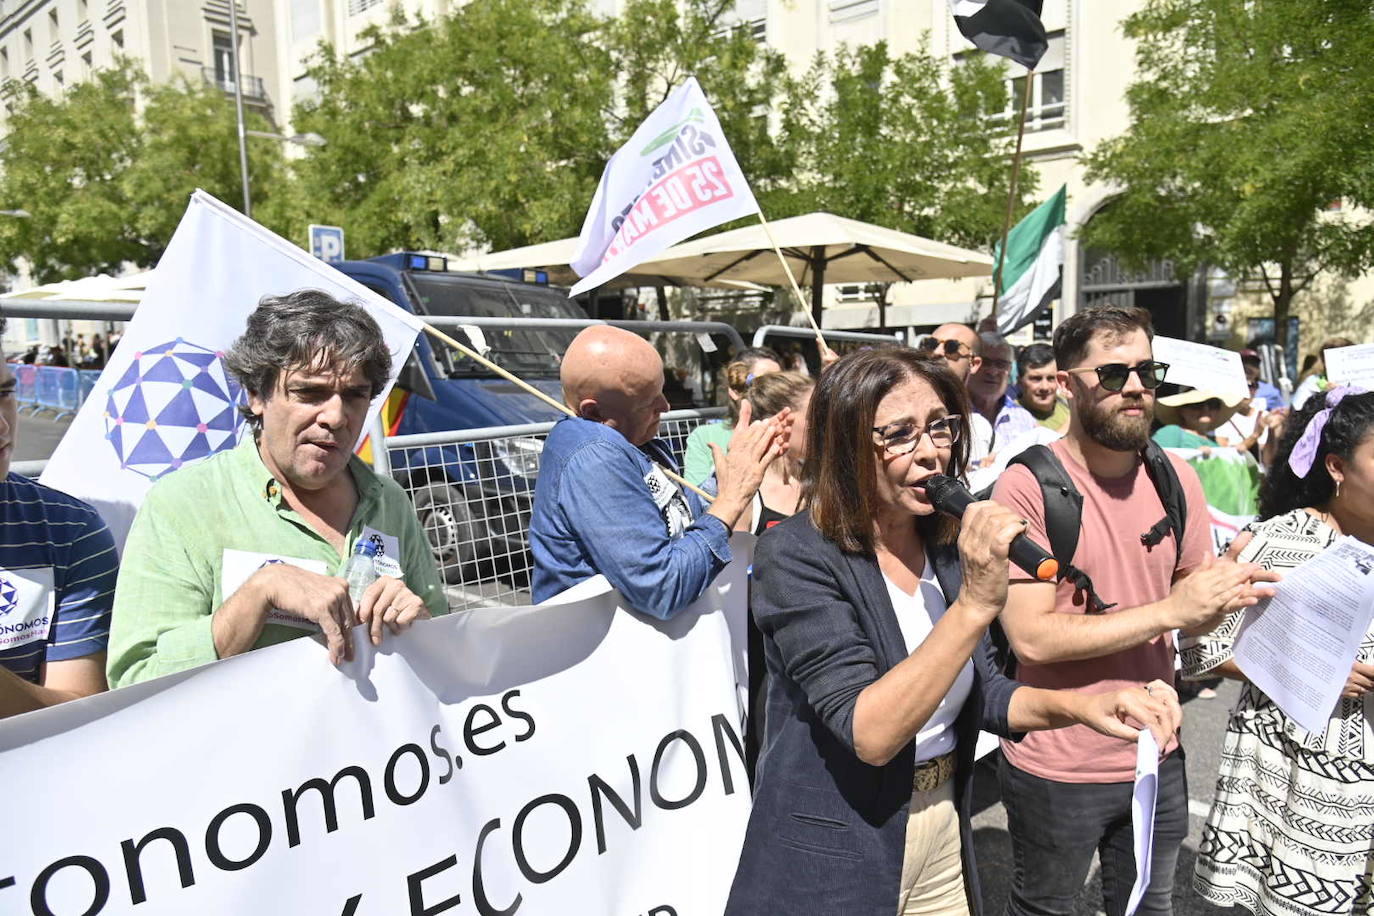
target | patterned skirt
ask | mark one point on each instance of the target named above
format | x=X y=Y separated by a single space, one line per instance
x=1292 y=830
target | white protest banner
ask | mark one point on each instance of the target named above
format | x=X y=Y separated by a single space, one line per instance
x=674 y=178
x=1200 y=366
x=1350 y=365
x=164 y=400
x=575 y=757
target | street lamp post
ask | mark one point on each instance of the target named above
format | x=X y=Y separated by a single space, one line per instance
x=238 y=104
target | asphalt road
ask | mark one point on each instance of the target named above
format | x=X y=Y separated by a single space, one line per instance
x=1204 y=726
x=38 y=436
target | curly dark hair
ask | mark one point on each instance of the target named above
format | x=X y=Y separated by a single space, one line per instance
x=306 y=329
x=1350 y=423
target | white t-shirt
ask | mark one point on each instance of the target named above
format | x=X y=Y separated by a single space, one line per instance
x=980 y=437
x=916 y=615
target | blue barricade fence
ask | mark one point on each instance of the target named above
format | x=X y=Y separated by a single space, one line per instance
x=87 y=379
x=54 y=388
x=26 y=384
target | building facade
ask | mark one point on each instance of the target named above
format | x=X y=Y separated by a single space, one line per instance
x=1077 y=100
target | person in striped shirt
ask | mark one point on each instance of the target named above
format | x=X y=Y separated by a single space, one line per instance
x=57 y=577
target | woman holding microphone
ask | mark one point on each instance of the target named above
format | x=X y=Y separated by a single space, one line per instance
x=879 y=672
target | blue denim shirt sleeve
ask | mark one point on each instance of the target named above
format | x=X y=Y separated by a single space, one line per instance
x=626 y=538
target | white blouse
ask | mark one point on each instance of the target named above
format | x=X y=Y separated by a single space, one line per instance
x=916 y=615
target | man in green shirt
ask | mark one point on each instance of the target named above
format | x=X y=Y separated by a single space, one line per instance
x=245 y=549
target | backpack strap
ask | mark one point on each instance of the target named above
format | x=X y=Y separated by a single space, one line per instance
x=1170 y=490
x=1063 y=517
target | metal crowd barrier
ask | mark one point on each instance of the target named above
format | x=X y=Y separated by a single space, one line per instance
x=55 y=388
x=473 y=491
x=784 y=330
x=26 y=385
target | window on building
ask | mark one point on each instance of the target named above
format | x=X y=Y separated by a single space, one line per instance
x=54 y=26
x=28 y=44
x=83 y=10
x=4 y=63
x=118 y=39
x=749 y=15
x=1048 y=107
x=59 y=79
x=222 y=49
x=849 y=10
x=86 y=65
x=357 y=6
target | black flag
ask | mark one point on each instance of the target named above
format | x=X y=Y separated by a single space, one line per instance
x=1009 y=28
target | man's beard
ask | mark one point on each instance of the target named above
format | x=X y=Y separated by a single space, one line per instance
x=1108 y=428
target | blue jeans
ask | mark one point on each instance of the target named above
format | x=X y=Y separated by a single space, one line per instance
x=1056 y=827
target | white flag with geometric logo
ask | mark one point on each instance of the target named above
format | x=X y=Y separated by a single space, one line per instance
x=165 y=400
x=674 y=178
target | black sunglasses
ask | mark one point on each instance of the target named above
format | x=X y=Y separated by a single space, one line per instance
x=1113 y=376
x=954 y=349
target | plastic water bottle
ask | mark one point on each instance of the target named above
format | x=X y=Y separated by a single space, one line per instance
x=360 y=571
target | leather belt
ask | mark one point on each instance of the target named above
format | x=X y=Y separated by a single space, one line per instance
x=931 y=774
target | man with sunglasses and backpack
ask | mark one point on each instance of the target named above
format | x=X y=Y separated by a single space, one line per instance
x=1128 y=524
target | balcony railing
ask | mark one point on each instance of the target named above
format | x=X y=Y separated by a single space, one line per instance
x=251 y=86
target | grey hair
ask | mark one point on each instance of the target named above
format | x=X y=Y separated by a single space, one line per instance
x=990 y=341
x=306 y=329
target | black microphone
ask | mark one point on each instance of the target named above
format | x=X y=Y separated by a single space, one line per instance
x=951 y=497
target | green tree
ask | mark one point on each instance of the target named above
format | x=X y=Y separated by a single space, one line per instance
x=655 y=44
x=61 y=162
x=484 y=127
x=189 y=139
x=1249 y=120
x=491 y=126
x=106 y=168
x=904 y=142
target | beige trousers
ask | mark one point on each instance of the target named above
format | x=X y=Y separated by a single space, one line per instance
x=933 y=864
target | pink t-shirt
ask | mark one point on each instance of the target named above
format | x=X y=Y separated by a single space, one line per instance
x=1116 y=512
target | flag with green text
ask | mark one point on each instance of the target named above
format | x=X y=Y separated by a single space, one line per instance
x=1033 y=269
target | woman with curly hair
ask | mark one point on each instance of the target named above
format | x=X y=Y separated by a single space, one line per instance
x=1292 y=828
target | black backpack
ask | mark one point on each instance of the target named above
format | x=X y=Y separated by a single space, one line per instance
x=1064 y=520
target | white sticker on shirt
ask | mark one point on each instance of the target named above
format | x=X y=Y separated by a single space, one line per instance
x=238 y=565
x=387 y=560
x=672 y=504
x=26 y=606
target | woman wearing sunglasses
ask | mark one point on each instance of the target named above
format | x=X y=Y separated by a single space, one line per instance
x=1230 y=475
x=874 y=613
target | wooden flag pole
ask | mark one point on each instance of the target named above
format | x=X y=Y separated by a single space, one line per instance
x=1011 y=194
x=796 y=290
x=526 y=386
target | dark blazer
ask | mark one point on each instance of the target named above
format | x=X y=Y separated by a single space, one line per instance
x=827 y=832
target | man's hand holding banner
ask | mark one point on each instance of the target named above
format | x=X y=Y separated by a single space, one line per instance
x=569 y=758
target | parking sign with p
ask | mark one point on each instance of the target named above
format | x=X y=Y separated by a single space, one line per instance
x=327 y=243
